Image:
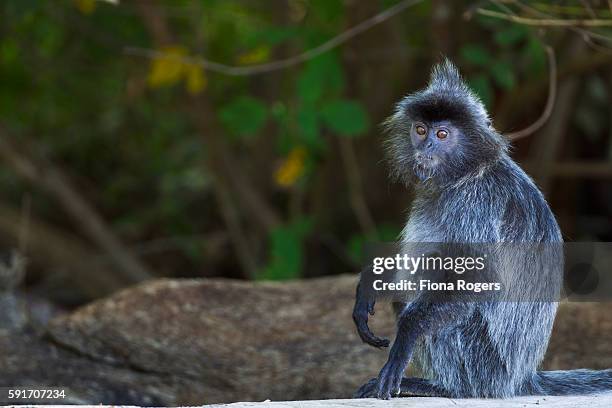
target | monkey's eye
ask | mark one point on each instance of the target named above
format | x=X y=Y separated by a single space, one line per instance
x=421 y=130
x=441 y=134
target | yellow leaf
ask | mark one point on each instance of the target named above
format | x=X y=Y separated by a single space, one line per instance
x=168 y=68
x=85 y=6
x=256 y=56
x=292 y=168
x=195 y=79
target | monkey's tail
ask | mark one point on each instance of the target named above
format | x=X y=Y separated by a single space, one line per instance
x=573 y=382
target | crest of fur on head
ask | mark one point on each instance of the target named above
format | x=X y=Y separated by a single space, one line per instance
x=446 y=98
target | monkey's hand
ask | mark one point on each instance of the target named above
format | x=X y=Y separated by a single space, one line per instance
x=387 y=384
x=390 y=377
x=363 y=308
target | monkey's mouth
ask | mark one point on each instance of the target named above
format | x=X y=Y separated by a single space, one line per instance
x=425 y=166
x=425 y=160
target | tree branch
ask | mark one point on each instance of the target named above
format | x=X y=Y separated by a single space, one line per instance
x=513 y=104
x=284 y=63
x=586 y=35
x=217 y=160
x=47 y=176
x=550 y=102
x=53 y=249
x=580 y=169
x=356 y=196
x=546 y=22
x=545 y=150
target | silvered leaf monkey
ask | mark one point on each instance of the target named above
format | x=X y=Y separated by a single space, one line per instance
x=468 y=190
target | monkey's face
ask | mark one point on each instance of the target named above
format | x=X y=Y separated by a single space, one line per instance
x=441 y=133
x=435 y=147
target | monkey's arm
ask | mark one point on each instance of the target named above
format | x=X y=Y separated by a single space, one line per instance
x=425 y=316
x=364 y=306
x=431 y=312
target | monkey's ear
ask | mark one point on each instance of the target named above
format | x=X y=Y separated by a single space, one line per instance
x=489 y=123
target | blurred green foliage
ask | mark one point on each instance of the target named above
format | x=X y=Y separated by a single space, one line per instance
x=286 y=251
x=494 y=66
x=244 y=116
x=124 y=127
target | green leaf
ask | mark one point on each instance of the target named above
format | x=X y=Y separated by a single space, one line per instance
x=355 y=247
x=272 y=36
x=285 y=139
x=491 y=23
x=511 y=35
x=9 y=51
x=482 y=86
x=308 y=124
x=536 y=55
x=50 y=38
x=357 y=243
x=286 y=251
x=279 y=111
x=322 y=75
x=388 y=232
x=244 y=116
x=475 y=54
x=328 y=10
x=347 y=118
x=503 y=75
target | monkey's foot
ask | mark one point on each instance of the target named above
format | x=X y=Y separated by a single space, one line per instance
x=367 y=390
x=409 y=387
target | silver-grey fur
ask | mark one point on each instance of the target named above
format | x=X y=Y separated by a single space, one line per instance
x=473 y=193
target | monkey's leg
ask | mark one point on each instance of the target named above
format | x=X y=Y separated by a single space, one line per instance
x=409 y=387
